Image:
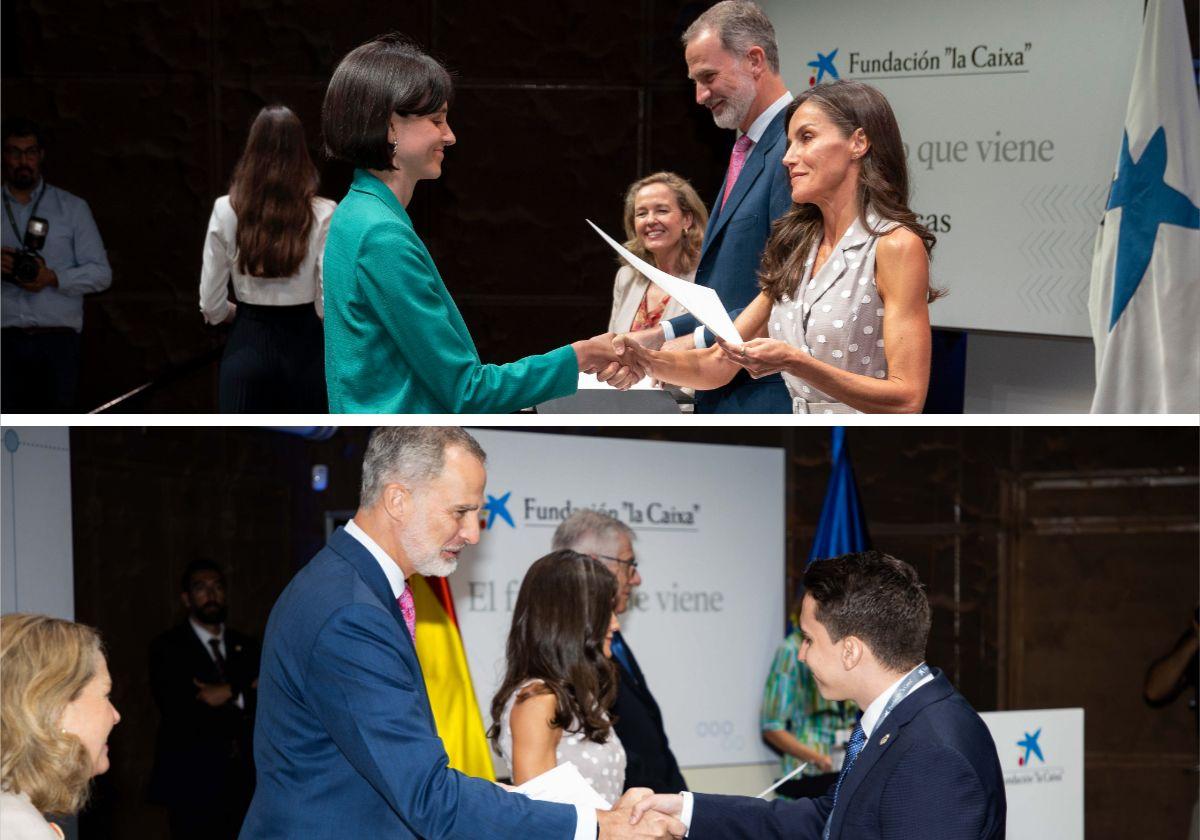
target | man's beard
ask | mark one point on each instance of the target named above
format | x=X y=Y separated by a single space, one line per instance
x=23 y=178
x=426 y=560
x=737 y=105
x=211 y=614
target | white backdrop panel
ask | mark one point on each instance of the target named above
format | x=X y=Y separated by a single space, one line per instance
x=1012 y=113
x=1044 y=791
x=707 y=619
x=36 y=561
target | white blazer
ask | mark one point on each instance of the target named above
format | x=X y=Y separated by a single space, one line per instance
x=628 y=290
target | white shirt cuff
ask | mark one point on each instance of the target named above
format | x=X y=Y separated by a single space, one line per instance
x=698 y=336
x=668 y=330
x=585 y=826
x=685 y=816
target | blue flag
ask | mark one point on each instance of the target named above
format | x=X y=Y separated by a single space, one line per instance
x=843 y=527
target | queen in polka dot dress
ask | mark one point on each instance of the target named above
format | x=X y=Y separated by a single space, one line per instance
x=844 y=309
x=560 y=684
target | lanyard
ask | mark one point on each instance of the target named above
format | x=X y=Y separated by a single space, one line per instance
x=12 y=220
x=921 y=672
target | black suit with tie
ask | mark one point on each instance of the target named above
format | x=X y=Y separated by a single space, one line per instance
x=649 y=762
x=203 y=764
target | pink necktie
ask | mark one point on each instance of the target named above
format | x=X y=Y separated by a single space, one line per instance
x=736 y=161
x=405 y=603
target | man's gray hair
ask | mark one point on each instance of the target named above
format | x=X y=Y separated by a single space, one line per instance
x=409 y=455
x=590 y=532
x=740 y=24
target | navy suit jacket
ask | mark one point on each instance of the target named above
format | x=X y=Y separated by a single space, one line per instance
x=729 y=260
x=649 y=761
x=930 y=770
x=345 y=742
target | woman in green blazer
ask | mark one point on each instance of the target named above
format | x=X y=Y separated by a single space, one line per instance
x=394 y=339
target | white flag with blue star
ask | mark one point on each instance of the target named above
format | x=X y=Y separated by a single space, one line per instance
x=1145 y=297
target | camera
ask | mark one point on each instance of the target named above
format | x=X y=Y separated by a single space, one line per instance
x=26 y=262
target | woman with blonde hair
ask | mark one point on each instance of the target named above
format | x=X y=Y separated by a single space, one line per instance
x=664 y=225
x=55 y=716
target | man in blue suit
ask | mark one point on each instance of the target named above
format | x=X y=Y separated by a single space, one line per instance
x=345 y=742
x=733 y=59
x=921 y=762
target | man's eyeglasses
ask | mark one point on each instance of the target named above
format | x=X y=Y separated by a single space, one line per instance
x=632 y=562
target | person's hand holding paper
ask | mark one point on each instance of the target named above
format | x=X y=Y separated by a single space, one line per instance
x=701 y=301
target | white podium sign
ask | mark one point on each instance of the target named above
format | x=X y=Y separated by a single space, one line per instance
x=708 y=616
x=1041 y=755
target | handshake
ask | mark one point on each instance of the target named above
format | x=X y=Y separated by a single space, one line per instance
x=643 y=813
x=621 y=360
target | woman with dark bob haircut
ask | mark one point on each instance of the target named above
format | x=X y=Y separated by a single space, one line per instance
x=844 y=307
x=560 y=683
x=394 y=339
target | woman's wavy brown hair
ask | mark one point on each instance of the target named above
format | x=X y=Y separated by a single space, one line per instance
x=44 y=665
x=882 y=183
x=271 y=192
x=689 y=202
x=562 y=615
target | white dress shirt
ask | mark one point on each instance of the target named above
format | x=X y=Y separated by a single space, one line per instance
x=220 y=264
x=585 y=824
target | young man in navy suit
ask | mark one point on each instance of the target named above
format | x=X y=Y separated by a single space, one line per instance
x=921 y=763
x=345 y=742
x=733 y=59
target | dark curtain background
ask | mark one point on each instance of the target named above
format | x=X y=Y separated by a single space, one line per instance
x=559 y=108
x=1060 y=563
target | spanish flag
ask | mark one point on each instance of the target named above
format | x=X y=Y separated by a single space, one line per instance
x=444 y=662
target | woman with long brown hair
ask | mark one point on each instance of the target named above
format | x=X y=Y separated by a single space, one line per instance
x=560 y=683
x=844 y=307
x=269 y=234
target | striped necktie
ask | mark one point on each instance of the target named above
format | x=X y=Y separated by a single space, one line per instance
x=858 y=739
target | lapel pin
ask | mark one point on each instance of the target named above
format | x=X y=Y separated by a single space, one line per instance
x=885 y=738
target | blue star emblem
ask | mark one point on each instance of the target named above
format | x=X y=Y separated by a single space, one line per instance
x=1030 y=745
x=824 y=64
x=498 y=507
x=1146 y=203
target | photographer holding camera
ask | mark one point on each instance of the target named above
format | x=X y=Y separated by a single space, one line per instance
x=52 y=257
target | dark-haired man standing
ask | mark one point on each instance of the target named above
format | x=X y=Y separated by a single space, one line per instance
x=42 y=310
x=921 y=763
x=204 y=675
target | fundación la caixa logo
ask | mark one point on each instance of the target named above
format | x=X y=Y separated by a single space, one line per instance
x=538 y=513
x=823 y=66
x=1031 y=747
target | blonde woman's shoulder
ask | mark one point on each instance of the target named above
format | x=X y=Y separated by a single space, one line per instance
x=19 y=820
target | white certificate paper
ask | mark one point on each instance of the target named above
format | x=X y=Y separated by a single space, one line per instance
x=564 y=784
x=701 y=301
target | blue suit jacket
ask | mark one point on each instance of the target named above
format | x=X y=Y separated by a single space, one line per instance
x=930 y=770
x=733 y=246
x=345 y=742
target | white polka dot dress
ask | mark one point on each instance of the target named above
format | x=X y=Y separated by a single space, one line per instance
x=602 y=765
x=838 y=316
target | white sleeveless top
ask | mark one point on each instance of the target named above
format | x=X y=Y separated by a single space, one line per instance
x=836 y=316
x=602 y=765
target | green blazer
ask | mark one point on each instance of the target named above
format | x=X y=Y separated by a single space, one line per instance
x=394 y=340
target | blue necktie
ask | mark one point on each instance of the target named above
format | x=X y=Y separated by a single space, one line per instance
x=621 y=654
x=858 y=739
